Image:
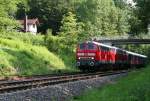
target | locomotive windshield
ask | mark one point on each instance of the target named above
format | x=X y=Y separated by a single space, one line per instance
x=89 y=46
x=82 y=46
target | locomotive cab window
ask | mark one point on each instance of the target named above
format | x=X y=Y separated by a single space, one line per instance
x=91 y=46
x=82 y=46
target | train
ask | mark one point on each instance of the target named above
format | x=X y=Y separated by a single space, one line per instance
x=92 y=55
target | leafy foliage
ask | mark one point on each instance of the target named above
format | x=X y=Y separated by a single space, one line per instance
x=70 y=21
x=120 y=3
x=25 y=37
x=103 y=18
x=50 y=12
x=8 y=9
x=23 y=8
x=70 y=29
x=56 y=44
x=143 y=14
x=99 y=17
x=26 y=59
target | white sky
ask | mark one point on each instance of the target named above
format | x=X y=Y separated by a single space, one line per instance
x=131 y=2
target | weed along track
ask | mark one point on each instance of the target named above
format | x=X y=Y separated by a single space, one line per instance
x=14 y=86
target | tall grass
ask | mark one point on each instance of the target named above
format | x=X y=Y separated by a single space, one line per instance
x=21 y=58
x=27 y=54
x=25 y=37
x=134 y=87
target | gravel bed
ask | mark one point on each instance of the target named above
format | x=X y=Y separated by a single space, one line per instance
x=60 y=92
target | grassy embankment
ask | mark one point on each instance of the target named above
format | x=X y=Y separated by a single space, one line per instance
x=26 y=54
x=134 y=87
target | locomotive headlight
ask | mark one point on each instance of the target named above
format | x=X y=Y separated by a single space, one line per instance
x=80 y=54
x=91 y=54
x=92 y=58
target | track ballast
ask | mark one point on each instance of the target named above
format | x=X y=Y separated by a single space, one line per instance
x=14 y=86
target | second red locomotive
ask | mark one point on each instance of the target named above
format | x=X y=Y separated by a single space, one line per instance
x=94 y=55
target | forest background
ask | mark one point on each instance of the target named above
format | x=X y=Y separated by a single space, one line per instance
x=63 y=24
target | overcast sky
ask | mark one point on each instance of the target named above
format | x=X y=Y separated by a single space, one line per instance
x=131 y=2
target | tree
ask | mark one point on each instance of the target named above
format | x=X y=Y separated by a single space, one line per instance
x=23 y=8
x=69 y=28
x=102 y=17
x=143 y=12
x=8 y=9
x=120 y=3
x=50 y=12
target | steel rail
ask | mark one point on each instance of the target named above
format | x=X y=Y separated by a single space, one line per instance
x=8 y=87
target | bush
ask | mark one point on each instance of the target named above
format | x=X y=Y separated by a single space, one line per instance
x=53 y=43
x=26 y=59
x=59 y=46
x=25 y=37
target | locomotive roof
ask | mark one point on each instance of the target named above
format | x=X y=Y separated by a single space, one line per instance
x=108 y=46
x=136 y=54
x=129 y=52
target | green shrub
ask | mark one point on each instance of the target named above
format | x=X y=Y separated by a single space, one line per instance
x=60 y=46
x=26 y=54
x=26 y=59
x=25 y=37
x=55 y=44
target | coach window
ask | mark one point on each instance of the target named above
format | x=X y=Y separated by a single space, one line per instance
x=119 y=52
x=114 y=50
x=105 y=49
x=102 y=48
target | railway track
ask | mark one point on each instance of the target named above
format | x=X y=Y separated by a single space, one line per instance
x=9 y=87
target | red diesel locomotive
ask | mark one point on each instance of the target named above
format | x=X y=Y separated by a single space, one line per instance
x=92 y=55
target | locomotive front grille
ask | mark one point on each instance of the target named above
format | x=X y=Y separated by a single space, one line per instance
x=86 y=62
